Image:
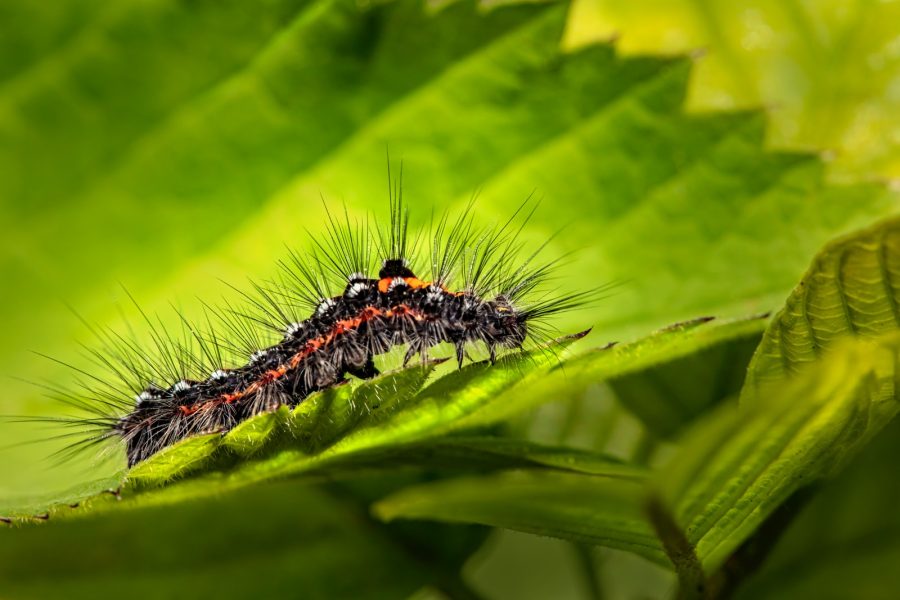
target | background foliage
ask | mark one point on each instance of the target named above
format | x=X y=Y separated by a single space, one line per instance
x=166 y=145
x=828 y=71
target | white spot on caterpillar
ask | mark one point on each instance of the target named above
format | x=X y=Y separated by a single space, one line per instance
x=324 y=306
x=144 y=397
x=218 y=374
x=258 y=355
x=356 y=277
x=435 y=294
x=397 y=282
x=181 y=386
x=294 y=329
x=356 y=289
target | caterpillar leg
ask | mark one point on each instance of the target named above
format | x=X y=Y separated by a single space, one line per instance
x=412 y=350
x=460 y=354
x=367 y=371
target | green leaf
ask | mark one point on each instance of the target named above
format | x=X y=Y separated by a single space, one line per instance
x=92 y=491
x=180 y=168
x=735 y=468
x=129 y=155
x=450 y=502
x=672 y=393
x=592 y=509
x=188 y=455
x=845 y=541
x=336 y=427
x=463 y=452
x=758 y=53
x=626 y=366
x=851 y=289
x=249 y=437
x=273 y=540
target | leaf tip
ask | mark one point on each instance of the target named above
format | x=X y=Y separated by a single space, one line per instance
x=574 y=336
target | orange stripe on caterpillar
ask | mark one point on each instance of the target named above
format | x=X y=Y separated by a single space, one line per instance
x=319 y=351
x=384 y=284
x=340 y=328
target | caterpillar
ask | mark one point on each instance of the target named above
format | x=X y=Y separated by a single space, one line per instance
x=484 y=290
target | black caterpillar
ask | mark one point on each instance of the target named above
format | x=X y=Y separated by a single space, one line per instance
x=185 y=388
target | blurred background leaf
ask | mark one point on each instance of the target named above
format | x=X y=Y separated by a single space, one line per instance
x=829 y=70
x=285 y=539
x=605 y=511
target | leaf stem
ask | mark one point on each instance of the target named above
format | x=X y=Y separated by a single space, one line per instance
x=588 y=566
x=691 y=578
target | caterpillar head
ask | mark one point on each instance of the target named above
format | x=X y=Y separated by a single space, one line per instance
x=504 y=325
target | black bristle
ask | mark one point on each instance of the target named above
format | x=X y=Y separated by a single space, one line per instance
x=211 y=376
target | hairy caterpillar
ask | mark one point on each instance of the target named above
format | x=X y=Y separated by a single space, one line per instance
x=483 y=289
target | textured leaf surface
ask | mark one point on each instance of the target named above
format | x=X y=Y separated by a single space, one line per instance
x=563 y=506
x=851 y=289
x=733 y=470
x=854 y=555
